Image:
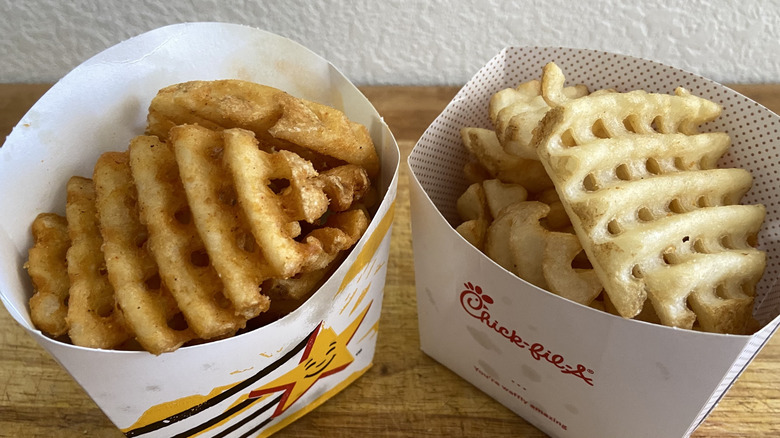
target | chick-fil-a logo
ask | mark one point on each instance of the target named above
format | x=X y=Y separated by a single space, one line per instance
x=475 y=303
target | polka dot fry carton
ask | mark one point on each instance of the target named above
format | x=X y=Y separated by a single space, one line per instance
x=571 y=370
x=252 y=384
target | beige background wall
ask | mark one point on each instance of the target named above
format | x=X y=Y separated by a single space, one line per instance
x=414 y=42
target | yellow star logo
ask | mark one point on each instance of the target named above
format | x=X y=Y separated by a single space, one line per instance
x=326 y=353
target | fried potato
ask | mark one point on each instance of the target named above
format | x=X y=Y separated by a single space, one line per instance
x=242 y=188
x=149 y=309
x=579 y=285
x=657 y=219
x=483 y=144
x=515 y=112
x=48 y=270
x=327 y=131
x=318 y=133
x=213 y=199
x=93 y=318
x=215 y=105
x=185 y=266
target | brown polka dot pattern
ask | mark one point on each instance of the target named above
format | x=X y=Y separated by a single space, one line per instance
x=438 y=158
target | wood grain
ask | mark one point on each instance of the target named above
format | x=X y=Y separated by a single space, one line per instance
x=405 y=393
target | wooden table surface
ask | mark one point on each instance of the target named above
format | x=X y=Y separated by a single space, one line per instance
x=405 y=393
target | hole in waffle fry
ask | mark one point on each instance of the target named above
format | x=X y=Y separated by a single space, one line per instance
x=702 y=202
x=227 y=196
x=679 y=164
x=721 y=292
x=590 y=183
x=140 y=240
x=657 y=124
x=246 y=242
x=178 y=322
x=199 y=258
x=567 y=139
x=599 y=130
x=752 y=240
x=623 y=173
x=675 y=206
x=670 y=257
x=614 y=228
x=727 y=242
x=629 y=125
x=644 y=214
x=153 y=282
x=103 y=271
x=278 y=184
x=183 y=216
x=105 y=310
x=699 y=247
x=653 y=166
x=636 y=271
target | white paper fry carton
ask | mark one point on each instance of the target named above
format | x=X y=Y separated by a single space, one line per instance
x=570 y=370
x=249 y=385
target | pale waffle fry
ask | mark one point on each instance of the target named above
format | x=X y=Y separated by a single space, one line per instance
x=657 y=219
x=215 y=105
x=149 y=309
x=175 y=244
x=515 y=112
x=226 y=233
x=93 y=318
x=48 y=271
x=484 y=145
x=577 y=284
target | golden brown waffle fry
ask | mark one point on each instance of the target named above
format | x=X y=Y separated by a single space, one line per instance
x=215 y=105
x=657 y=219
x=149 y=309
x=344 y=185
x=93 y=318
x=214 y=204
x=185 y=267
x=272 y=217
x=326 y=131
x=48 y=270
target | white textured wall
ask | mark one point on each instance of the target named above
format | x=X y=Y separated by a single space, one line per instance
x=414 y=42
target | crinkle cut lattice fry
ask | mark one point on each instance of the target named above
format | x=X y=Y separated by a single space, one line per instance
x=647 y=202
x=149 y=309
x=274 y=217
x=48 y=271
x=175 y=244
x=219 y=219
x=93 y=319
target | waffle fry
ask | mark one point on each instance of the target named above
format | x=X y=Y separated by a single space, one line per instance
x=93 y=318
x=657 y=219
x=201 y=224
x=319 y=134
x=484 y=145
x=174 y=242
x=213 y=202
x=515 y=112
x=327 y=131
x=48 y=270
x=149 y=309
